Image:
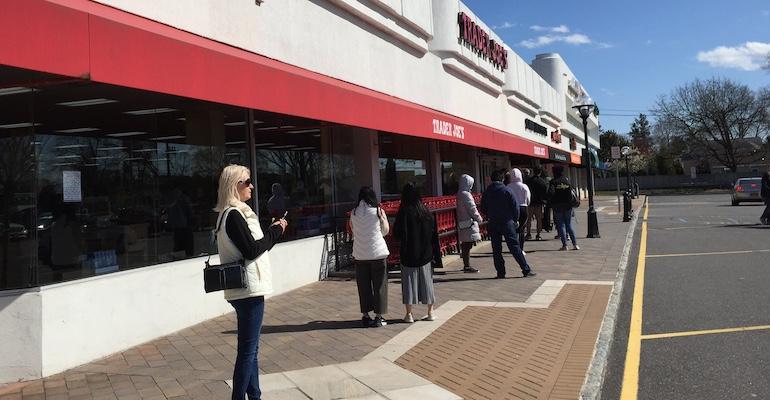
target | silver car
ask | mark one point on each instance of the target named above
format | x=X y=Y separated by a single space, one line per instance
x=746 y=189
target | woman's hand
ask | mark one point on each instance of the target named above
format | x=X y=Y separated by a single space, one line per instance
x=282 y=222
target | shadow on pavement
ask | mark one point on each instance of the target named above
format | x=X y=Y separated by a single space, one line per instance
x=441 y=280
x=750 y=226
x=314 y=326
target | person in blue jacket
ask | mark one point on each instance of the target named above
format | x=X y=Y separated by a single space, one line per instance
x=498 y=203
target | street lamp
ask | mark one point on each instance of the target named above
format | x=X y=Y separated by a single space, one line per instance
x=585 y=106
x=626 y=151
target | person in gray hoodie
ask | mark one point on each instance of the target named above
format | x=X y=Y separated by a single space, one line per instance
x=522 y=195
x=468 y=220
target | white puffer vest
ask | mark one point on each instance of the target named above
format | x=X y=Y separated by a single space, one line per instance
x=368 y=243
x=259 y=279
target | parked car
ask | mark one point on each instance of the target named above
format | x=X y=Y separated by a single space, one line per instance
x=746 y=189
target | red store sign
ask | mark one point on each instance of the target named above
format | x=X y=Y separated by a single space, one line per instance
x=445 y=128
x=480 y=42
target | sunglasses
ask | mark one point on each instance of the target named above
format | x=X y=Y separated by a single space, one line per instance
x=247 y=182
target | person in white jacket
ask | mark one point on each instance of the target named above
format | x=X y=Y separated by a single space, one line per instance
x=370 y=226
x=240 y=237
x=522 y=195
x=468 y=220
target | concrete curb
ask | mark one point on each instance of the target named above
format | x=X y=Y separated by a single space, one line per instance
x=592 y=385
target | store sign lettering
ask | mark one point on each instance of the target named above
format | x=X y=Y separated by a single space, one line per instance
x=533 y=126
x=556 y=136
x=560 y=157
x=445 y=128
x=539 y=151
x=478 y=39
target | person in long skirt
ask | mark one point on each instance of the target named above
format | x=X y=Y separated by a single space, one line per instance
x=414 y=228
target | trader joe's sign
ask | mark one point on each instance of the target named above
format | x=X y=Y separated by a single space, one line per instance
x=478 y=39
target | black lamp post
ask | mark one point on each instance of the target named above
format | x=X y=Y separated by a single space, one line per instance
x=585 y=106
x=626 y=151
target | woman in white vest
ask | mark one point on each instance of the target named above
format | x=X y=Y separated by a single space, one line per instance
x=370 y=225
x=239 y=237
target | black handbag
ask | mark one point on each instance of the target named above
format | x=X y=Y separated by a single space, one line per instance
x=223 y=276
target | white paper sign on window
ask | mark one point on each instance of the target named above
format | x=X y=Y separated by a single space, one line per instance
x=71 y=187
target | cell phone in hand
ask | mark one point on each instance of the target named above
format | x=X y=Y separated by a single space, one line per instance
x=285 y=213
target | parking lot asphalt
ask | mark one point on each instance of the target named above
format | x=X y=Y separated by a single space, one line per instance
x=705 y=322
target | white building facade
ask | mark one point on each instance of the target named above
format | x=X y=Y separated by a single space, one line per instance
x=116 y=117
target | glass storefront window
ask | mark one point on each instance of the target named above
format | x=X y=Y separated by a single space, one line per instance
x=117 y=178
x=403 y=160
x=456 y=160
x=299 y=163
x=18 y=221
x=97 y=178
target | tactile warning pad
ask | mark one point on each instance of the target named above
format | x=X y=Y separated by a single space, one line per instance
x=497 y=353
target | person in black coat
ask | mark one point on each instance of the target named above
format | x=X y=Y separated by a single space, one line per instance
x=765 y=194
x=538 y=188
x=502 y=212
x=560 y=192
x=415 y=229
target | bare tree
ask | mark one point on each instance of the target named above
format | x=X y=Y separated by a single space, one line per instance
x=718 y=116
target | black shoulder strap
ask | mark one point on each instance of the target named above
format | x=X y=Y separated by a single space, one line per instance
x=219 y=227
x=221 y=220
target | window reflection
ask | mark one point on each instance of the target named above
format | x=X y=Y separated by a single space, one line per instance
x=401 y=161
x=456 y=160
x=17 y=176
x=127 y=178
x=294 y=174
x=106 y=178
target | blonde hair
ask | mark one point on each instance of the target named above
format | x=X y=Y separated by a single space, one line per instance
x=227 y=193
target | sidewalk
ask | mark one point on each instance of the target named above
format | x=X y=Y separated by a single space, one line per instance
x=493 y=339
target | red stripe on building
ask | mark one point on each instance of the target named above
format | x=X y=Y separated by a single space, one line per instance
x=84 y=39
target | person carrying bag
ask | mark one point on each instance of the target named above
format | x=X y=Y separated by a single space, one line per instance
x=241 y=238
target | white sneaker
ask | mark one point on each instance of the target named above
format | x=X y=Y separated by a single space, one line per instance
x=408 y=318
x=429 y=317
x=524 y=252
x=575 y=247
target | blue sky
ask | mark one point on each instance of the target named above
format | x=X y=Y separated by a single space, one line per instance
x=628 y=53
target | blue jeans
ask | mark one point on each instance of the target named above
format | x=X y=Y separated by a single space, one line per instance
x=564 y=226
x=249 y=312
x=506 y=230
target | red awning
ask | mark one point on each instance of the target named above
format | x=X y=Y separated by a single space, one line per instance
x=84 y=39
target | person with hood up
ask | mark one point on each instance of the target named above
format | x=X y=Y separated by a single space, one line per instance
x=468 y=220
x=522 y=195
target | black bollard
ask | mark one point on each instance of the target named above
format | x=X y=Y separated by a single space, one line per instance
x=627 y=206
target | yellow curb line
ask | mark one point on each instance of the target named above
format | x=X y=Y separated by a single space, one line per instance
x=630 y=386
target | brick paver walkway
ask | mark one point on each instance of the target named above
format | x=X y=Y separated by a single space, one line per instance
x=499 y=353
x=318 y=325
